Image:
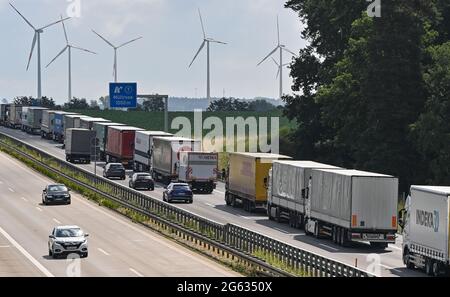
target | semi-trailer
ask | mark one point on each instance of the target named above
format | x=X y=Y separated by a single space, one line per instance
x=58 y=125
x=23 y=117
x=15 y=116
x=199 y=170
x=352 y=206
x=4 y=113
x=33 y=120
x=287 y=189
x=48 y=120
x=425 y=223
x=166 y=156
x=120 y=145
x=143 y=149
x=88 y=122
x=101 y=132
x=72 y=121
x=247 y=179
x=79 y=145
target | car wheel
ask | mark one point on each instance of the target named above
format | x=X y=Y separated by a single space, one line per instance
x=85 y=255
x=50 y=253
x=164 y=197
x=152 y=188
x=69 y=202
x=191 y=201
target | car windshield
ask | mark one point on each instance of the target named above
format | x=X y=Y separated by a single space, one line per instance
x=73 y=232
x=181 y=188
x=143 y=176
x=57 y=188
x=116 y=167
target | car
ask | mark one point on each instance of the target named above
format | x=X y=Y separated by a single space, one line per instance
x=66 y=240
x=114 y=170
x=56 y=194
x=178 y=192
x=142 y=181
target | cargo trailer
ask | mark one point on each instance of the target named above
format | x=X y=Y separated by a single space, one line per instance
x=72 y=121
x=352 y=206
x=143 y=149
x=15 y=116
x=288 y=186
x=80 y=145
x=199 y=170
x=33 y=121
x=425 y=222
x=101 y=132
x=88 y=122
x=4 y=113
x=58 y=125
x=166 y=156
x=120 y=145
x=247 y=179
x=24 y=117
x=48 y=119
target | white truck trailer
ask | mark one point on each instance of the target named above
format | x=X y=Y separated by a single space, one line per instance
x=199 y=170
x=425 y=222
x=352 y=206
x=287 y=188
x=143 y=149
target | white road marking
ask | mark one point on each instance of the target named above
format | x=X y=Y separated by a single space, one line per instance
x=390 y=268
x=395 y=247
x=39 y=209
x=26 y=254
x=4 y=246
x=138 y=240
x=247 y=218
x=56 y=221
x=329 y=247
x=281 y=230
x=220 y=192
x=1 y=183
x=24 y=199
x=103 y=251
x=135 y=272
x=11 y=190
x=209 y=204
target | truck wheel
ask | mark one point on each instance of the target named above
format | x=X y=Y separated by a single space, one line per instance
x=436 y=268
x=429 y=267
x=227 y=199
x=407 y=260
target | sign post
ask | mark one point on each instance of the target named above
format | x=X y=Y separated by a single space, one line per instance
x=123 y=95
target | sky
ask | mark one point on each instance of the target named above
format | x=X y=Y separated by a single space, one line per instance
x=159 y=62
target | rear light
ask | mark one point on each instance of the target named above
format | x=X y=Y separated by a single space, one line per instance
x=354 y=221
x=394 y=222
x=356 y=235
x=390 y=237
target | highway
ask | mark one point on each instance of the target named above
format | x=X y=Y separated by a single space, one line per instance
x=213 y=207
x=117 y=247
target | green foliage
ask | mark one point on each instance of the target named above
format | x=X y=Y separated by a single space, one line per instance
x=77 y=103
x=30 y=101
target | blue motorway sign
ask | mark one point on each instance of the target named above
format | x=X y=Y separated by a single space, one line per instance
x=123 y=95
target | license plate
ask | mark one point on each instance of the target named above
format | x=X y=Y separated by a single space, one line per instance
x=71 y=247
x=373 y=236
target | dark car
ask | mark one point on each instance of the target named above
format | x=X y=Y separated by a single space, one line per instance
x=142 y=181
x=178 y=192
x=114 y=170
x=56 y=194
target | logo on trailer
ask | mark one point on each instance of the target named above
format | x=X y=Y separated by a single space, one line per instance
x=428 y=219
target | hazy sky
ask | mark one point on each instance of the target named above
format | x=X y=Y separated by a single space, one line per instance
x=159 y=62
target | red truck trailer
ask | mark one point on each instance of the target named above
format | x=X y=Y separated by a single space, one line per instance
x=120 y=145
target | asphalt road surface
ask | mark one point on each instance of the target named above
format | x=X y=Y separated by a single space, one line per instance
x=386 y=262
x=117 y=247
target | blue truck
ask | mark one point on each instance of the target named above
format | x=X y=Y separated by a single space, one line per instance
x=58 y=126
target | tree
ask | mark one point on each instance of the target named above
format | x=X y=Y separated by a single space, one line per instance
x=93 y=104
x=228 y=104
x=261 y=106
x=30 y=101
x=154 y=105
x=76 y=103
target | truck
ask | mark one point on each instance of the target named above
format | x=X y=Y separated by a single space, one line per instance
x=101 y=132
x=287 y=189
x=24 y=118
x=79 y=145
x=166 y=156
x=352 y=206
x=15 y=116
x=247 y=179
x=48 y=117
x=425 y=224
x=33 y=122
x=143 y=149
x=73 y=121
x=4 y=113
x=120 y=145
x=88 y=122
x=58 y=125
x=199 y=170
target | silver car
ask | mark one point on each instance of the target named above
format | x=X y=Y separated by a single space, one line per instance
x=66 y=240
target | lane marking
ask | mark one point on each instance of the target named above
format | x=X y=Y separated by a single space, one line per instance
x=246 y=218
x=329 y=247
x=220 y=192
x=209 y=204
x=26 y=254
x=138 y=240
x=135 y=272
x=11 y=190
x=1 y=183
x=395 y=247
x=389 y=268
x=38 y=209
x=24 y=199
x=281 y=230
x=103 y=251
x=56 y=221
x=4 y=246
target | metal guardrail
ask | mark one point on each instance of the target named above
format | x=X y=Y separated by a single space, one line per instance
x=245 y=243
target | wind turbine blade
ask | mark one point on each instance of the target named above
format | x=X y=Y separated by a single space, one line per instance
x=289 y=51
x=104 y=39
x=33 y=44
x=216 y=41
x=114 y=64
x=57 y=56
x=271 y=53
x=83 y=49
x=28 y=22
x=54 y=23
x=201 y=21
x=278 y=30
x=123 y=44
x=198 y=52
x=286 y=64
x=65 y=32
x=276 y=63
x=278 y=73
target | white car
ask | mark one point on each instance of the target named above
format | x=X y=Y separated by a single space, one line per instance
x=66 y=240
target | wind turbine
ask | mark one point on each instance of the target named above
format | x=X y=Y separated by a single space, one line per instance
x=37 y=38
x=69 y=48
x=280 y=65
x=206 y=41
x=115 y=51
